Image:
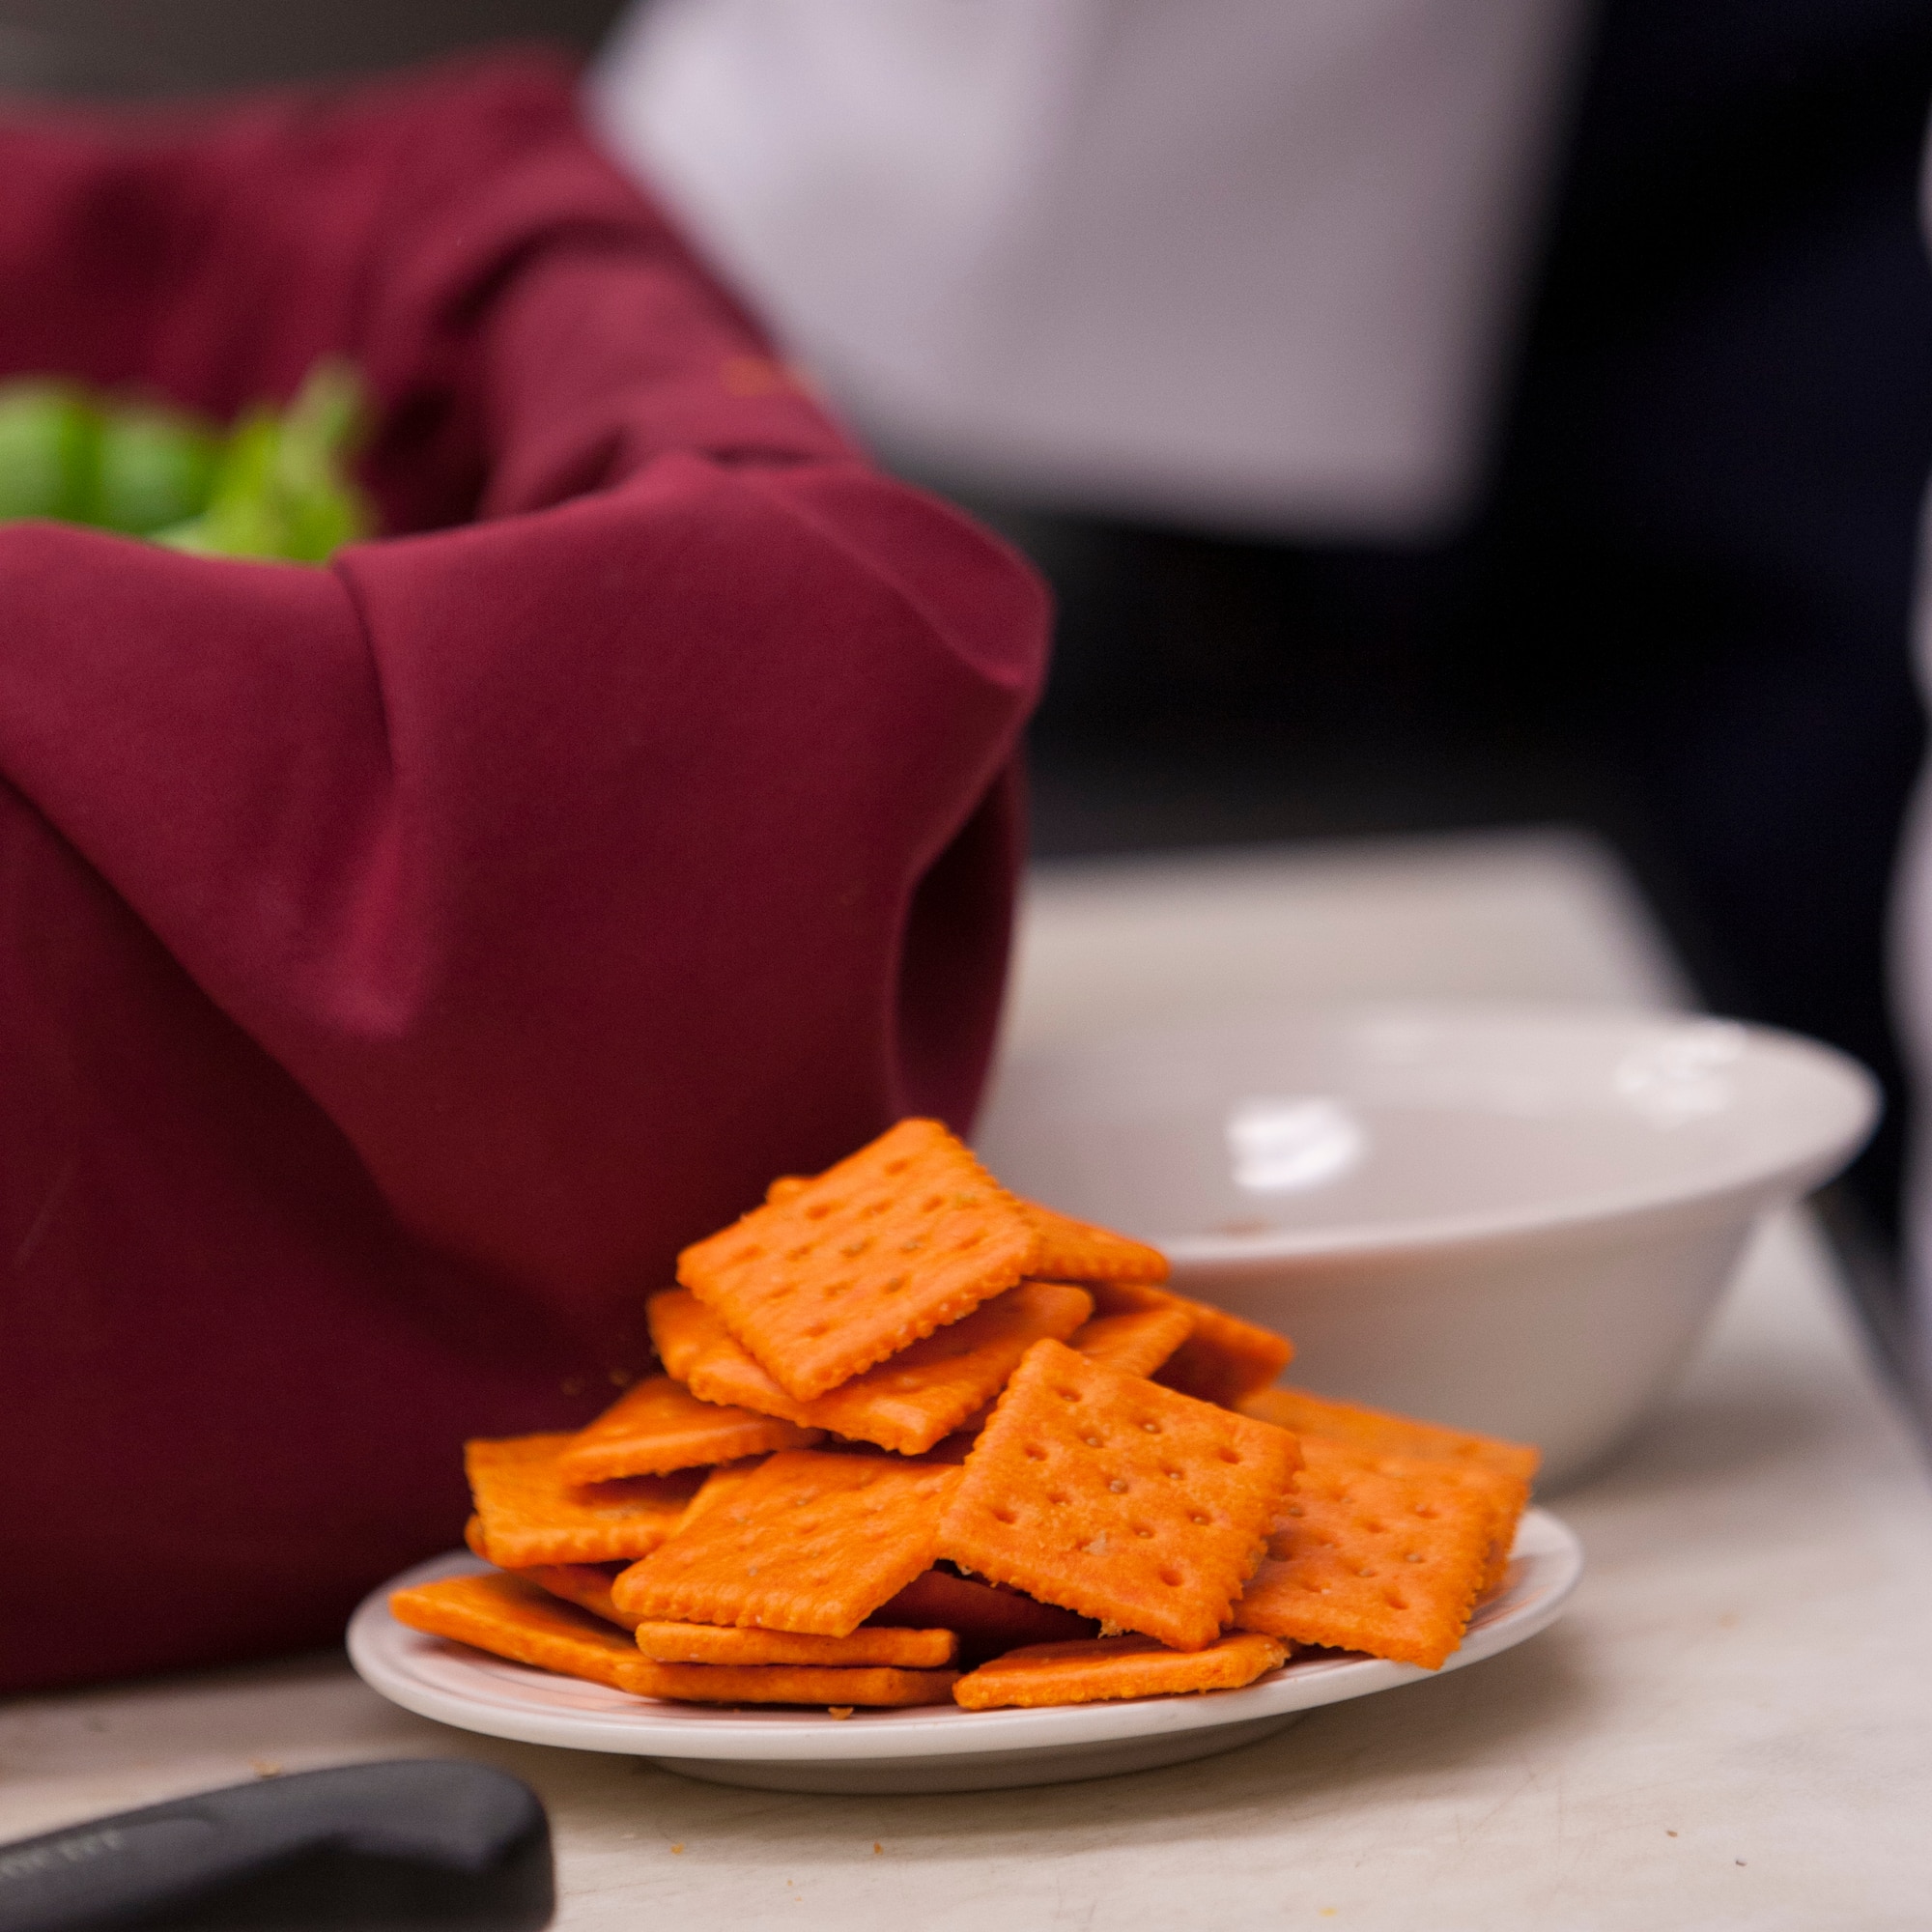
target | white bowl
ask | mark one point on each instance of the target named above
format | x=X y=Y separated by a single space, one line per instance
x=1510 y=1219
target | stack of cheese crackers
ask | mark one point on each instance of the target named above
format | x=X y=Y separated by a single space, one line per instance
x=917 y=1440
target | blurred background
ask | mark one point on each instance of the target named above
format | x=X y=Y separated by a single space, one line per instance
x=1432 y=414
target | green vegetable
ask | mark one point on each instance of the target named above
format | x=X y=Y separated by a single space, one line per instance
x=275 y=486
x=281 y=488
x=155 y=467
x=49 y=433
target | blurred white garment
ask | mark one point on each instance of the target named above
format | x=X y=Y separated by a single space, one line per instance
x=1253 y=263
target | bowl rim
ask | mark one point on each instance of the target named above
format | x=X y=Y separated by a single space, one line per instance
x=1808 y=1163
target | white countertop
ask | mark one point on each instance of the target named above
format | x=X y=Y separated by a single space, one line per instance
x=1732 y=1726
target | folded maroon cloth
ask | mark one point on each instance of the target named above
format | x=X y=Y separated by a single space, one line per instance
x=398 y=961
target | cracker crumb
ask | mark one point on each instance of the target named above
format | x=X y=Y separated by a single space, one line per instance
x=839 y=1710
x=877 y=1848
x=677 y=1848
x=265 y=1767
x=1670 y=1835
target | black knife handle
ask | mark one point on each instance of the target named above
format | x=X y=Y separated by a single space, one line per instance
x=404 y=1846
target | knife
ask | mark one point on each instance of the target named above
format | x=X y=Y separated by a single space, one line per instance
x=402 y=1846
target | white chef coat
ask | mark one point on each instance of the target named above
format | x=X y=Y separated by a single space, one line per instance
x=1240 y=263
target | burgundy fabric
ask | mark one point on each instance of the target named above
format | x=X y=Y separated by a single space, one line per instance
x=398 y=961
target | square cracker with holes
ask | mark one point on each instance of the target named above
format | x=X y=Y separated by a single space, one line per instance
x=528 y=1512
x=1135 y=1344
x=867 y=1257
x=1222 y=1361
x=1115 y=1498
x=1385 y=1554
x=659 y=1426
x=808 y=1542
x=1377 y=1433
x=905 y=1403
x=1374 y=1432
x=1104 y=1667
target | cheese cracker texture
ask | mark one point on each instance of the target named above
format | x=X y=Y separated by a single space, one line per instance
x=659 y=1426
x=528 y=1512
x=1385 y=1554
x=808 y=1542
x=906 y=1403
x=1377 y=1433
x=837 y=1689
x=1135 y=1344
x=715 y=1643
x=1224 y=1358
x=587 y=1585
x=720 y=1486
x=1071 y=1250
x=1374 y=1432
x=903 y=1236
x=1117 y=1498
x=1115 y=1666
x=510 y=1617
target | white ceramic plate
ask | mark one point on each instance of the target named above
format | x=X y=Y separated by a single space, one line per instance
x=929 y=1749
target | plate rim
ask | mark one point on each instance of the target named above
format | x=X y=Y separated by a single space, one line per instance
x=380 y=1649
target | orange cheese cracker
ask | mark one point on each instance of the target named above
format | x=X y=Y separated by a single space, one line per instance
x=1223 y=1360
x=1374 y=1432
x=1115 y=1666
x=1385 y=1554
x=956 y=1447
x=840 y=1690
x=1377 y=1433
x=587 y=1585
x=720 y=1486
x=719 y=1643
x=1071 y=1250
x=903 y=1236
x=927 y=1390
x=511 y=1617
x=698 y=1351
x=987 y=1618
x=905 y=1403
x=531 y=1513
x=808 y=1542
x=659 y=1426
x=1135 y=1344
x=1115 y=1498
